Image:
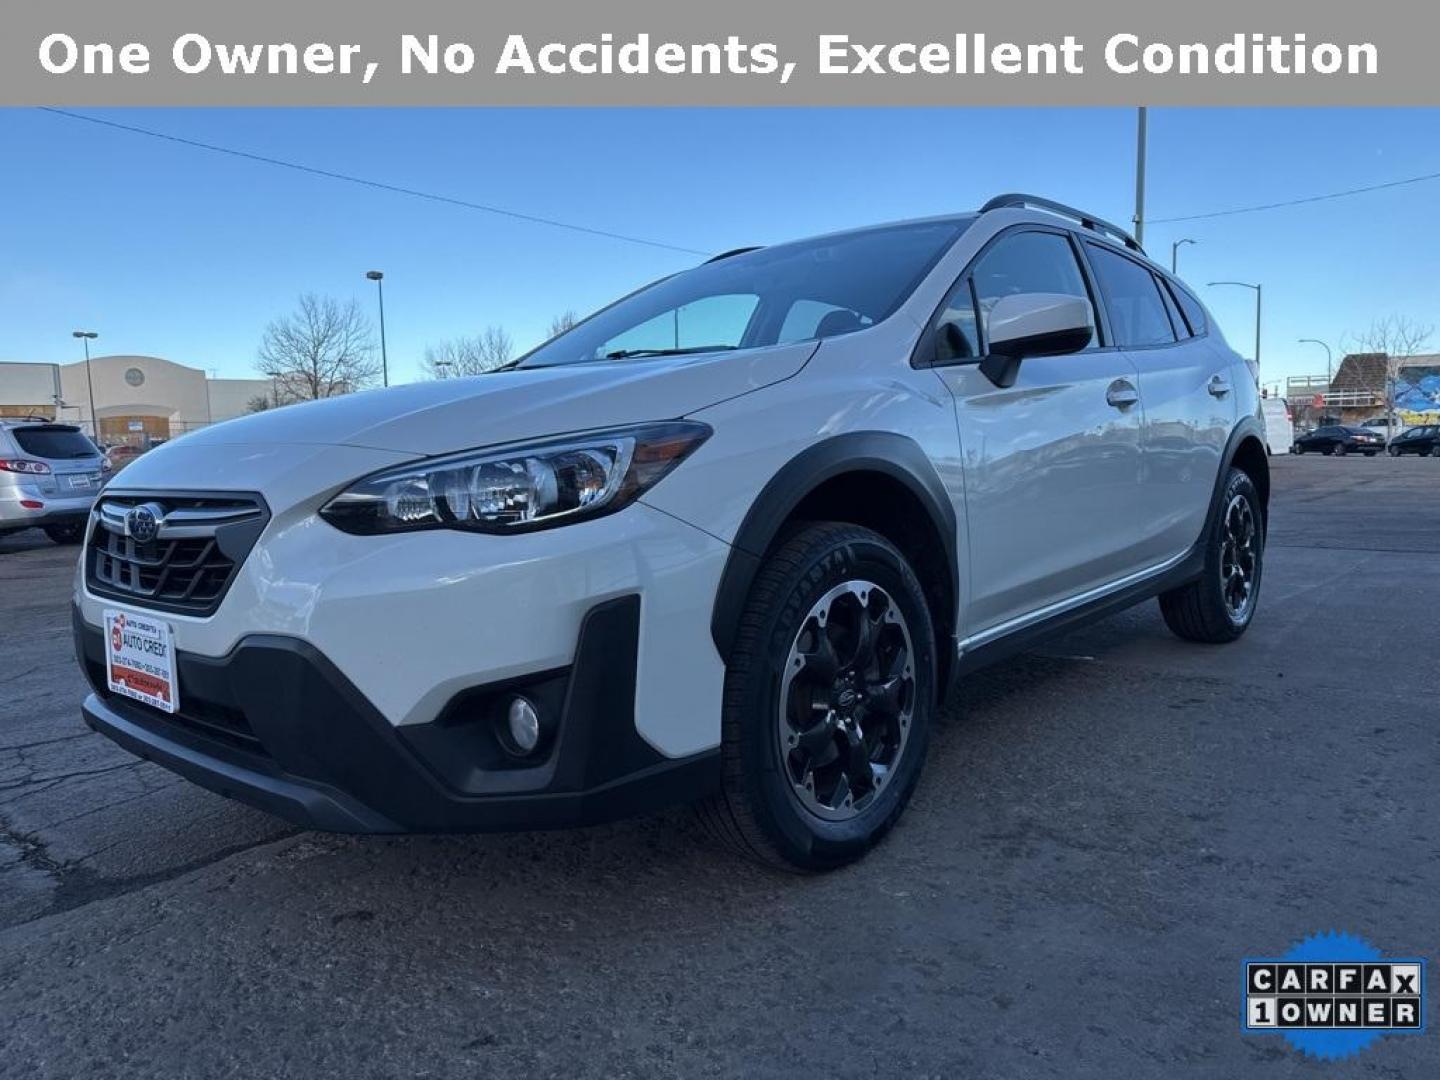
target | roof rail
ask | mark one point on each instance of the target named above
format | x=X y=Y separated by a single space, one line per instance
x=1089 y=221
x=734 y=251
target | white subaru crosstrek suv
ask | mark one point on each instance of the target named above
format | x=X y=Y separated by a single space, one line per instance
x=727 y=541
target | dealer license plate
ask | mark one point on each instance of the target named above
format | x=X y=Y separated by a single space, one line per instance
x=140 y=659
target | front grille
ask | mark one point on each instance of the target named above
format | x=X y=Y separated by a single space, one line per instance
x=180 y=553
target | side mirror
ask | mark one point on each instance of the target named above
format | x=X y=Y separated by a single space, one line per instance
x=1034 y=324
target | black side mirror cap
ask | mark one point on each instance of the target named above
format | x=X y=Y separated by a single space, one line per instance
x=1001 y=369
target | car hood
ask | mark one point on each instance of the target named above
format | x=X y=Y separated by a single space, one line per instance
x=458 y=414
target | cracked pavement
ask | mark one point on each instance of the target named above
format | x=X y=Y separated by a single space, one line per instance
x=1105 y=828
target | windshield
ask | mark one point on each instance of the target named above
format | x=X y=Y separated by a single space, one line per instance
x=771 y=296
x=55 y=443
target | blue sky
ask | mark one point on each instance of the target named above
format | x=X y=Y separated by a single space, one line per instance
x=177 y=252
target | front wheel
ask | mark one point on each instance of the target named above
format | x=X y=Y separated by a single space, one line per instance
x=1395 y=451
x=1217 y=607
x=65 y=534
x=1340 y=450
x=829 y=693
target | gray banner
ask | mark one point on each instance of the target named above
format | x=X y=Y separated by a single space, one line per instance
x=744 y=52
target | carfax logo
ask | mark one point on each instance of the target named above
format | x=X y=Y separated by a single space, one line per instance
x=1332 y=995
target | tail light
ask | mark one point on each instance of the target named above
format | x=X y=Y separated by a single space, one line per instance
x=22 y=465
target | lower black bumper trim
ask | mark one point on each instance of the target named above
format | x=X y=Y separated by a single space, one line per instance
x=275 y=724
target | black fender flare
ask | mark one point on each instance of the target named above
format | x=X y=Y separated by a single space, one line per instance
x=1248 y=427
x=887 y=453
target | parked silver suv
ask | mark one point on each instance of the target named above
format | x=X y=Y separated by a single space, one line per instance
x=49 y=477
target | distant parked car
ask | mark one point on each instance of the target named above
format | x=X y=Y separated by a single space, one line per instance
x=121 y=455
x=1340 y=440
x=1417 y=440
x=1279 y=429
x=49 y=477
x=1382 y=427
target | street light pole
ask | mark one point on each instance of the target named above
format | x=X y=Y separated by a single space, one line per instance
x=1329 y=365
x=1248 y=285
x=1140 y=126
x=87 y=336
x=1175 y=253
x=377 y=277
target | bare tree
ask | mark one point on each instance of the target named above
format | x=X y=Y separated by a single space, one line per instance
x=322 y=349
x=258 y=403
x=486 y=351
x=566 y=320
x=1396 y=338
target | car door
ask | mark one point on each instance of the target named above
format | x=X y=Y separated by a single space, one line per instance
x=1052 y=462
x=1189 y=402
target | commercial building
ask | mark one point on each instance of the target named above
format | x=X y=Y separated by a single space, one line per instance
x=1360 y=390
x=141 y=400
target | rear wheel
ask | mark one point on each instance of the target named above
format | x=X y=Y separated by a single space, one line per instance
x=1340 y=450
x=65 y=534
x=829 y=693
x=1217 y=607
x=1427 y=451
x=1395 y=451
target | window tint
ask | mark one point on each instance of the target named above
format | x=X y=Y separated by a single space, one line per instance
x=1176 y=319
x=808 y=319
x=1194 y=310
x=959 y=312
x=56 y=443
x=1137 y=314
x=710 y=320
x=1028 y=262
x=869 y=273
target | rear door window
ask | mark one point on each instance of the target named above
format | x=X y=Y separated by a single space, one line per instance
x=1132 y=298
x=1194 y=310
x=55 y=443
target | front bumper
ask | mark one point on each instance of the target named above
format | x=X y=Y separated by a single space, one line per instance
x=275 y=724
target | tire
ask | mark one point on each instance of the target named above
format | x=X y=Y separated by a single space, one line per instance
x=1394 y=451
x=1427 y=451
x=1340 y=450
x=813 y=585
x=1200 y=610
x=1297 y=449
x=65 y=534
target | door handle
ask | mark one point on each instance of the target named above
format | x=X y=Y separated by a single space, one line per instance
x=1122 y=394
x=1217 y=386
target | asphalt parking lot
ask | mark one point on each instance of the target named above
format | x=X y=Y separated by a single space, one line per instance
x=1105 y=829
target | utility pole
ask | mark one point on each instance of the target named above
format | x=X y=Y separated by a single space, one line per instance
x=377 y=277
x=1140 y=177
x=88 y=336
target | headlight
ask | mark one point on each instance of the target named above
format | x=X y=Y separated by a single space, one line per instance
x=514 y=489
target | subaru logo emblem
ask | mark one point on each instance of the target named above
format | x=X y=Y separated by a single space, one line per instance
x=142 y=523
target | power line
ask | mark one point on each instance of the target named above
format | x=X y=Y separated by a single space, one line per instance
x=379 y=185
x=1298 y=202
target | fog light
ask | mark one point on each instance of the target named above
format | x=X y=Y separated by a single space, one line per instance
x=524 y=725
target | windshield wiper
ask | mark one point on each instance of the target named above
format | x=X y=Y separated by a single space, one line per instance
x=626 y=354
